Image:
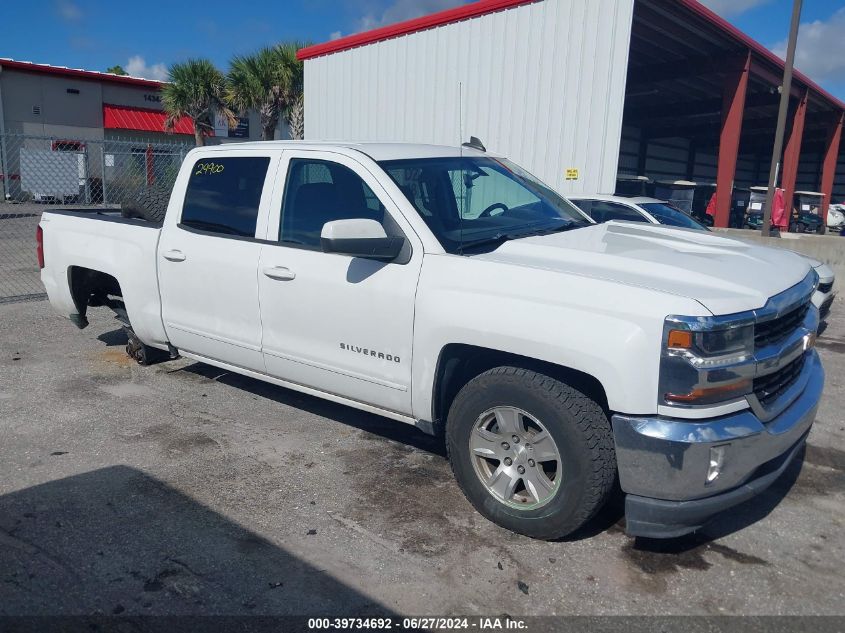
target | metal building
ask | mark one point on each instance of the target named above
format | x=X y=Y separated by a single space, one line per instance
x=537 y=81
x=582 y=92
x=65 y=130
x=76 y=104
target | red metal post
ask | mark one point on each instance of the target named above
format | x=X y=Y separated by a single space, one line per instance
x=831 y=157
x=792 y=153
x=733 y=107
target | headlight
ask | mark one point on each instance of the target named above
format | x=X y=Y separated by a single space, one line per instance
x=705 y=363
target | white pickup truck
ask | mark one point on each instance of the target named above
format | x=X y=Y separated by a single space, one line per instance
x=448 y=288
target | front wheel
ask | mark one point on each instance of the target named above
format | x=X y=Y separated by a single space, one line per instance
x=531 y=453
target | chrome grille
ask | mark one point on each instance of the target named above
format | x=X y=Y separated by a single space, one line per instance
x=775 y=330
x=770 y=387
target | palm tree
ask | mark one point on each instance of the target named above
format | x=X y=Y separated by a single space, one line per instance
x=196 y=89
x=257 y=82
x=296 y=118
x=294 y=99
x=269 y=81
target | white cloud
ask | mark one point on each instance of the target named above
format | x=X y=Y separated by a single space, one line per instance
x=400 y=10
x=732 y=7
x=137 y=67
x=818 y=52
x=335 y=35
x=68 y=11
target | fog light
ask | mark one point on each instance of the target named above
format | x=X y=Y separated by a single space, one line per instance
x=717 y=460
x=809 y=341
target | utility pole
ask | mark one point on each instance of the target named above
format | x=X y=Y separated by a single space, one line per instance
x=786 y=88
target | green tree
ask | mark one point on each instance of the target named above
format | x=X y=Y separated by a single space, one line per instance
x=256 y=82
x=296 y=119
x=268 y=81
x=196 y=89
x=294 y=102
x=116 y=70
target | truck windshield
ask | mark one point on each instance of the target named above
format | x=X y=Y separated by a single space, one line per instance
x=671 y=216
x=472 y=202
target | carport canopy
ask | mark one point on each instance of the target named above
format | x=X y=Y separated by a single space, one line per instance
x=701 y=105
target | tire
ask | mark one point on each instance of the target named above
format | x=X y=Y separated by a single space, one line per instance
x=746 y=226
x=149 y=203
x=799 y=227
x=822 y=229
x=581 y=434
x=140 y=352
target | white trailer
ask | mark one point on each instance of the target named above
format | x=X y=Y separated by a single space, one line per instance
x=47 y=174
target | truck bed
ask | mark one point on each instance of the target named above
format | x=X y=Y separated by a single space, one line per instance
x=107 y=214
x=102 y=240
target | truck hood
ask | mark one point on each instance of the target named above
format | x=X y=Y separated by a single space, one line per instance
x=725 y=275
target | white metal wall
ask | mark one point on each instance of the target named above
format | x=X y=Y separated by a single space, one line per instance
x=543 y=84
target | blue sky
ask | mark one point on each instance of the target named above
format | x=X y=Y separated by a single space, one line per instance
x=145 y=37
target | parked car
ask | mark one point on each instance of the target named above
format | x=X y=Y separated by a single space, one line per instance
x=449 y=289
x=836 y=217
x=602 y=208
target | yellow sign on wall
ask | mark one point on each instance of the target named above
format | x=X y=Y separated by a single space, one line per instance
x=572 y=174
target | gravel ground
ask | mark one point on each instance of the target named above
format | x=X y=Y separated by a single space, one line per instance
x=181 y=489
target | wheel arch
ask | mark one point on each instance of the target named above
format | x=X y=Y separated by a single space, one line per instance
x=90 y=287
x=458 y=363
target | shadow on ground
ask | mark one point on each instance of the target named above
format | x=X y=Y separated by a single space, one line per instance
x=113 y=338
x=117 y=541
x=355 y=418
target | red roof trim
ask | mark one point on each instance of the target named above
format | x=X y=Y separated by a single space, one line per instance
x=696 y=7
x=79 y=73
x=116 y=117
x=490 y=6
x=464 y=12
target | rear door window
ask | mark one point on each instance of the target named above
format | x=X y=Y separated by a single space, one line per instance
x=224 y=194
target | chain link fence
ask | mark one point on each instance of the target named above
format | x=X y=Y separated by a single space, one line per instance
x=39 y=173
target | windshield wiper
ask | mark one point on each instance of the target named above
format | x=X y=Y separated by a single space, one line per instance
x=501 y=238
x=567 y=224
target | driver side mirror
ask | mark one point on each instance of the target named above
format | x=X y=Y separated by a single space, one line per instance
x=360 y=238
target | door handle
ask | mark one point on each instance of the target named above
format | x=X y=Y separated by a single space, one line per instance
x=279 y=272
x=174 y=255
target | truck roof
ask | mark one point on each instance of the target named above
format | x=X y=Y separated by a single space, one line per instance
x=376 y=151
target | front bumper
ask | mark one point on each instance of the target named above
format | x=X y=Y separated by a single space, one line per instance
x=663 y=462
